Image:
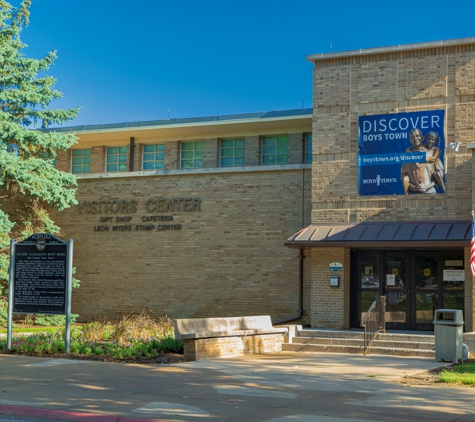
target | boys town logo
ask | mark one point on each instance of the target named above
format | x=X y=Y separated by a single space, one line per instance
x=378 y=180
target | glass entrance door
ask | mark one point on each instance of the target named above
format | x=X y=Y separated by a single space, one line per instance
x=367 y=286
x=397 y=289
x=415 y=284
x=425 y=294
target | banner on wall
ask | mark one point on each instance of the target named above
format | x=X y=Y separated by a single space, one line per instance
x=401 y=154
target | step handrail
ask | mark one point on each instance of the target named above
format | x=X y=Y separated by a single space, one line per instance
x=374 y=322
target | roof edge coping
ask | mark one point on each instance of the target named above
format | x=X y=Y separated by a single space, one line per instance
x=189 y=121
x=390 y=49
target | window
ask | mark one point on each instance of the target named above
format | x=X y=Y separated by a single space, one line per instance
x=232 y=152
x=308 y=148
x=47 y=156
x=116 y=159
x=81 y=161
x=153 y=157
x=192 y=155
x=275 y=149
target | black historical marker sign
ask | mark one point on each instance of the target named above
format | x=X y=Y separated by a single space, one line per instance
x=40 y=275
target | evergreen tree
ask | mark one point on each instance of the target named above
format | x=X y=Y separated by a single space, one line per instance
x=29 y=182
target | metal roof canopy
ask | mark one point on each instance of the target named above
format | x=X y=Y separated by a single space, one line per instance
x=441 y=233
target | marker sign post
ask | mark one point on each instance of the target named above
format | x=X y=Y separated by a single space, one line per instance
x=40 y=279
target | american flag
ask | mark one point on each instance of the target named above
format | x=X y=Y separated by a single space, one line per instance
x=472 y=248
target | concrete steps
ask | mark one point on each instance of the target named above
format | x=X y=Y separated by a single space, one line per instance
x=328 y=341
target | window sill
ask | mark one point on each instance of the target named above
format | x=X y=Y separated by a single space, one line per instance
x=185 y=172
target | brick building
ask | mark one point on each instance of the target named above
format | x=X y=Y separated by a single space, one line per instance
x=188 y=217
x=392 y=227
x=196 y=217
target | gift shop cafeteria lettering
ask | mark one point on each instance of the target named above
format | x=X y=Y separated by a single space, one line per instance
x=121 y=206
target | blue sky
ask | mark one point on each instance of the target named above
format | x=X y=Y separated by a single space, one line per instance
x=133 y=61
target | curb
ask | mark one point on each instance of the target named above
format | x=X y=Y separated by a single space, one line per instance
x=68 y=416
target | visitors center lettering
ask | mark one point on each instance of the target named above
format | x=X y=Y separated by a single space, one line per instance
x=110 y=221
x=401 y=154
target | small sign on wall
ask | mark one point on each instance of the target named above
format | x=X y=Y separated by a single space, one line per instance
x=334 y=281
x=336 y=267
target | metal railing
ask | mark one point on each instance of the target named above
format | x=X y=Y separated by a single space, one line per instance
x=374 y=321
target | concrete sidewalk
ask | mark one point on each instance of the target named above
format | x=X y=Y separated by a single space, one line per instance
x=283 y=387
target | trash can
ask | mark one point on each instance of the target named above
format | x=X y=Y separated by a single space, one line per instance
x=448 y=330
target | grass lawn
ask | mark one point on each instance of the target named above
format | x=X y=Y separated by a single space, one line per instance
x=19 y=330
x=463 y=373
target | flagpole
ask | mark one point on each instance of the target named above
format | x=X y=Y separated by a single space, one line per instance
x=472 y=247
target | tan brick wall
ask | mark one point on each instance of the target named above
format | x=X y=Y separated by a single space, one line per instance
x=307 y=288
x=253 y=151
x=389 y=83
x=464 y=67
x=138 y=154
x=331 y=216
x=98 y=159
x=347 y=87
x=296 y=145
x=331 y=179
x=330 y=305
x=469 y=317
x=63 y=161
x=172 y=155
x=378 y=78
x=232 y=346
x=211 y=153
x=332 y=85
x=425 y=76
x=228 y=259
x=331 y=134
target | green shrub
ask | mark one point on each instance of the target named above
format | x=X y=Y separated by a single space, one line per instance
x=53 y=320
x=133 y=337
x=3 y=312
x=170 y=345
x=75 y=347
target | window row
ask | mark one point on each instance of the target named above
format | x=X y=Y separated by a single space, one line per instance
x=275 y=150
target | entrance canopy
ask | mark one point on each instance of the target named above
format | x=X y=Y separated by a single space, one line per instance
x=403 y=234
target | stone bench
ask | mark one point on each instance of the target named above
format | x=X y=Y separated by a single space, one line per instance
x=226 y=337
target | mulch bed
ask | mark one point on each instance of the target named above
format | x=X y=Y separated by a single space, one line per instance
x=162 y=358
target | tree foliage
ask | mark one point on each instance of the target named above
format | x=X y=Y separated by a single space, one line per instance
x=30 y=185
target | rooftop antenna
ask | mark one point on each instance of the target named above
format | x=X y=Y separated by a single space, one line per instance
x=302 y=103
x=168 y=114
x=331 y=48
